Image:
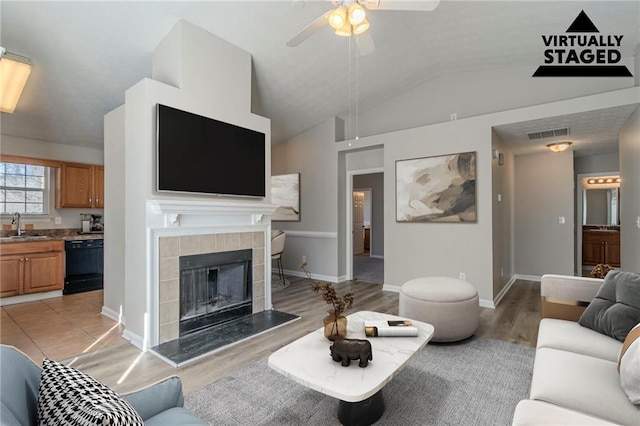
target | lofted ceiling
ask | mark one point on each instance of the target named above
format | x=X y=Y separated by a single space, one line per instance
x=87 y=53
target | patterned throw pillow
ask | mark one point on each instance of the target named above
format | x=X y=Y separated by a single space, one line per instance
x=68 y=397
x=629 y=365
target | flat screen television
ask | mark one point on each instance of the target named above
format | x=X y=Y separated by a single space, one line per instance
x=197 y=154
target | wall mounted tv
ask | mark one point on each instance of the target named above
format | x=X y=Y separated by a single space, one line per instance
x=196 y=154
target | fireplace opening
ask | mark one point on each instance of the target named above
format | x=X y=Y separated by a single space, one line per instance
x=214 y=288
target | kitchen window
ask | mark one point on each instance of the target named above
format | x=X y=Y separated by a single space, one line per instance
x=24 y=188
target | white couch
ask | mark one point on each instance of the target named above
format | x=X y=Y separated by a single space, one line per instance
x=575 y=377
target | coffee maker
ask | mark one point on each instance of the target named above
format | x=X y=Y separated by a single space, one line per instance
x=96 y=224
x=91 y=223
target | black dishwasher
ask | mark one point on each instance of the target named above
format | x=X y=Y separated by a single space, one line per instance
x=84 y=265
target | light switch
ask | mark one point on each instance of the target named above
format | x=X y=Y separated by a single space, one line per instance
x=499 y=198
x=638 y=221
x=561 y=220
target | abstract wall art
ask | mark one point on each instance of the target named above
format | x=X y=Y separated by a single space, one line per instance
x=285 y=193
x=437 y=189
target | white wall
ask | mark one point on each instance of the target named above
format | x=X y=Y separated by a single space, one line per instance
x=315 y=236
x=23 y=147
x=114 y=218
x=543 y=194
x=502 y=206
x=199 y=73
x=413 y=250
x=375 y=181
x=603 y=163
x=630 y=193
x=474 y=93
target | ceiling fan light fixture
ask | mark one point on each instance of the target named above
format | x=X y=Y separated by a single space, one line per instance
x=356 y=14
x=360 y=28
x=559 y=146
x=345 y=31
x=338 y=17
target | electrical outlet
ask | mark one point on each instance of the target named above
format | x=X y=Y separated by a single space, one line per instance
x=454 y=117
x=499 y=198
x=57 y=220
x=502 y=272
x=304 y=259
x=561 y=220
x=463 y=276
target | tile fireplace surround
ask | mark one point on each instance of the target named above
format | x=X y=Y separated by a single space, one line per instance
x=170 y=250
x=181 y=228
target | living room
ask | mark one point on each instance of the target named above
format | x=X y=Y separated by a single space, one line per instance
x=493 y=252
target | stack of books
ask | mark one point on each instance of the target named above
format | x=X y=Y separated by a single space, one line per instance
x=401 y=328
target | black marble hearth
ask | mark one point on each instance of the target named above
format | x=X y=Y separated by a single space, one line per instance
x=191 y=347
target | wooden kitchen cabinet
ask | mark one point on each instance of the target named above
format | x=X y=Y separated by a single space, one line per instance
x=80 y=186
x=601 y=247
x=31 y=267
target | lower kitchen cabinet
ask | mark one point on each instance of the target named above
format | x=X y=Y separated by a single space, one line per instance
x=31 y=267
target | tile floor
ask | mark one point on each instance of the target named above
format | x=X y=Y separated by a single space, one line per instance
x=59 y=328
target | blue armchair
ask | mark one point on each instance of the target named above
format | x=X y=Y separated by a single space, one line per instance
x=158 y=404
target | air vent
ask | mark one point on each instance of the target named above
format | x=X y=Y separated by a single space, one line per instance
x=564 y=131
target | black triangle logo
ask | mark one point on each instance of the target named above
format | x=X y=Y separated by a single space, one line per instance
x=582 y=24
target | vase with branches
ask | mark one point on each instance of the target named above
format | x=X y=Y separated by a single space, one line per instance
x=335 y=324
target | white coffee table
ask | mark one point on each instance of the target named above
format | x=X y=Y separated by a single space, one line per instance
x=308 y=362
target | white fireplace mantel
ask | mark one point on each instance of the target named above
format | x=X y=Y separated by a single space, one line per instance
x=225 y=211
x=224 y=208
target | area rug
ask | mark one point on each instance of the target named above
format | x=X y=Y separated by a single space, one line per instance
x=476 y=382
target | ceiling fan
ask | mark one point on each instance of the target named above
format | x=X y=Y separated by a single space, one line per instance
x=349 y=18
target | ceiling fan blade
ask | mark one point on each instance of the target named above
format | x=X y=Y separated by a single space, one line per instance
x=309 y=29
x=412 y=5
x=366 y=45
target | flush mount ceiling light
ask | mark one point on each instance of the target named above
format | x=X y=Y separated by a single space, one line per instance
x=559 y=146
x=14 y=72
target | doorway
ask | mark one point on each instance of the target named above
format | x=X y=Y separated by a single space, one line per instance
x=366 y=254
x=598 y=221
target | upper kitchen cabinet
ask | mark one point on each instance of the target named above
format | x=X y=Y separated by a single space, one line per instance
x=80 y=186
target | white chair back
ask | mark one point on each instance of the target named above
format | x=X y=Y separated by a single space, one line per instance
x=277 y=244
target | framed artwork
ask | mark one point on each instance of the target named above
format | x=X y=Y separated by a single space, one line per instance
x=285 y=193
x=437 y=189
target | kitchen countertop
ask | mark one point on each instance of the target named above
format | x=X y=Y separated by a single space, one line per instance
x=35 y=236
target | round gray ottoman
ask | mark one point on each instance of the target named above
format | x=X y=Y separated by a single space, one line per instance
x=449 y=304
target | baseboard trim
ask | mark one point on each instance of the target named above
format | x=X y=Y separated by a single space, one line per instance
x=390 y=287
x=504 y=290
x=111 y=314
x=5 y=301
x=134 y=339
x=331 y=279
x=526 y=277
x=376 y=256
x=484 y=303
x=310 y=234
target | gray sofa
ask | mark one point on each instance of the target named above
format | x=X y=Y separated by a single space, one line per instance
x=575 y=379
x=158 y=404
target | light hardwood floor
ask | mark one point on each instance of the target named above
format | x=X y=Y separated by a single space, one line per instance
x=125 y=368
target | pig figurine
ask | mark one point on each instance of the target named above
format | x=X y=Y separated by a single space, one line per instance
x=345 y=350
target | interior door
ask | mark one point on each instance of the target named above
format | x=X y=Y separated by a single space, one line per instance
x=358 y=222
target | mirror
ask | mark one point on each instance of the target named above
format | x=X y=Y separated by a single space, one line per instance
x=601 y=206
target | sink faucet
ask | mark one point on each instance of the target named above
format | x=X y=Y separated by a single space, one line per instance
x=16 y=219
